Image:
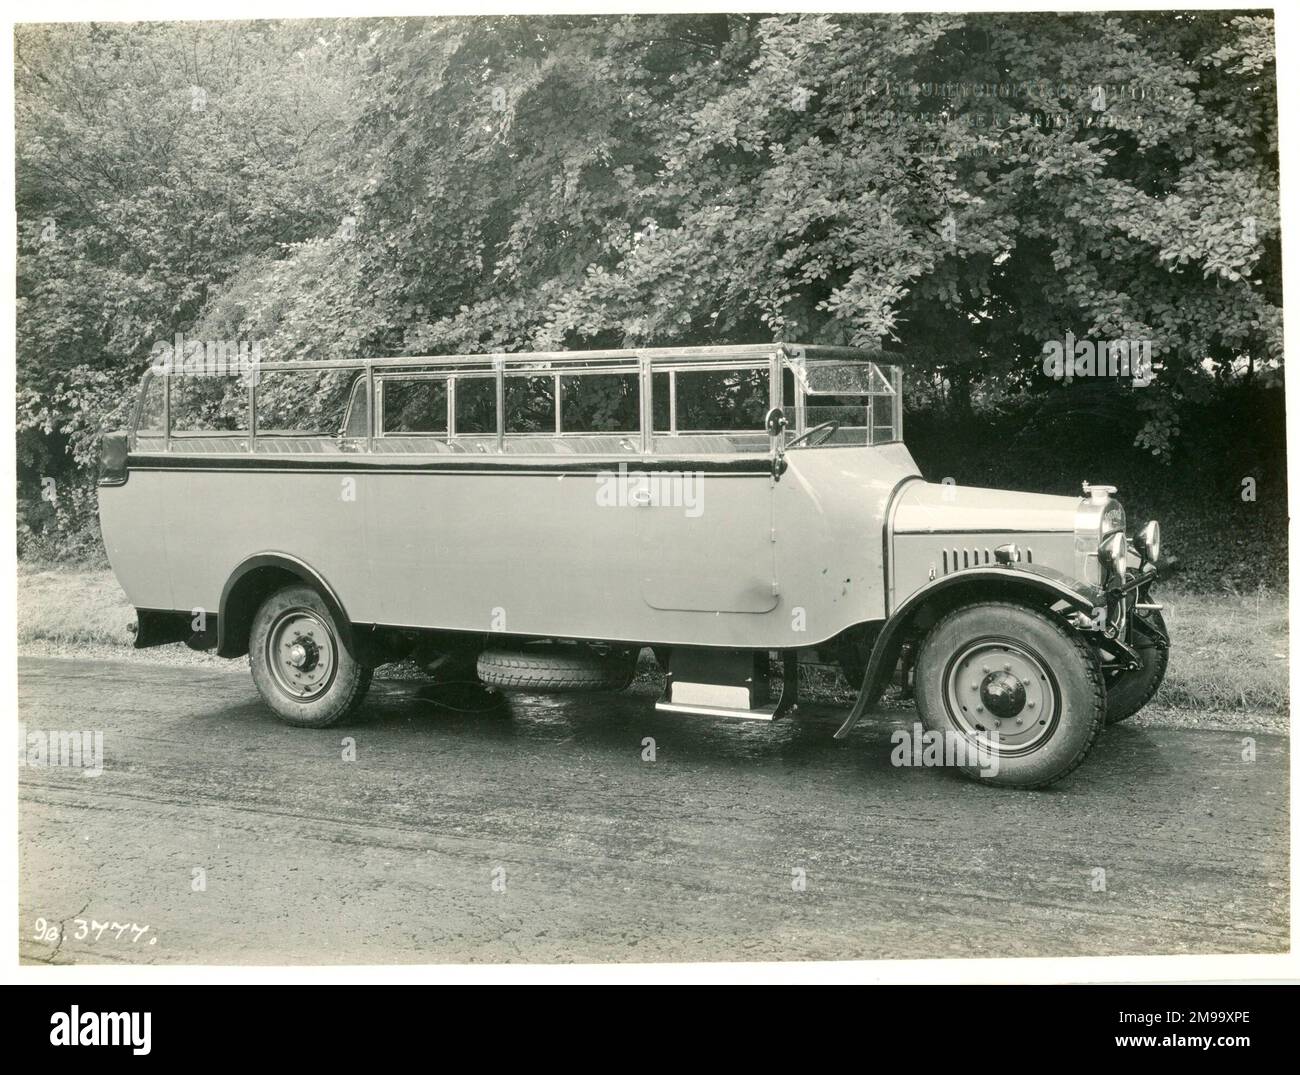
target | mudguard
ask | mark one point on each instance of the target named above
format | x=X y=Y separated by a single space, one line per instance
x=1043 y=585
x=234 y=613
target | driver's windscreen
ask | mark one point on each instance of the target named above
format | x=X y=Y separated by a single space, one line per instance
x=853 y=413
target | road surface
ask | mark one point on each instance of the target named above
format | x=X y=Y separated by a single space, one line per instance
x=541 y=834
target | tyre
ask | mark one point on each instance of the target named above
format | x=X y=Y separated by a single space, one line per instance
x=300 y=666
x=1127 y=692
x=547 y=668
x=1013 y=692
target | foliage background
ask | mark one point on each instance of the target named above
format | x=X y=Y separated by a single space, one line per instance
x=406 y=186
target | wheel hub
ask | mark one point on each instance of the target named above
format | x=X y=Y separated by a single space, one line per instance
x=1000 y=691
x=300 y=652
x=303 y=654
x=1003 y=694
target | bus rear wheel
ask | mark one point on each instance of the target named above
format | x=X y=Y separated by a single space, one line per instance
x=300 y=666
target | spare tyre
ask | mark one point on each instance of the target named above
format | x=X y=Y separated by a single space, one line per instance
x=546 y=667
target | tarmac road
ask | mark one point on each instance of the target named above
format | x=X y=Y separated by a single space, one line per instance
x=540 y=834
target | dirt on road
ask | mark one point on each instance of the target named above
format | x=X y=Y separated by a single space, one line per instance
x=544 y=833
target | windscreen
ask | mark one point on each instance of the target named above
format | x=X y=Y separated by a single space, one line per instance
x=858 y=402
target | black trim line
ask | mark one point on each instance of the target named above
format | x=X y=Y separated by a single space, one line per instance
x=759 y=465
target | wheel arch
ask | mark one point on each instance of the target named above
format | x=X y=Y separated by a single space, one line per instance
x=1037 y=587
x=256 y=579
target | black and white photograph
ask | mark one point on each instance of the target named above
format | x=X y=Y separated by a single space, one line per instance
x=551 y=487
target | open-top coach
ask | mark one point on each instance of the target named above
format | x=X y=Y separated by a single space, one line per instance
x=547 y=516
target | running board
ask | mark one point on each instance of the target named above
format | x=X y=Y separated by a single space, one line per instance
x=768 y=712
x=727 y=683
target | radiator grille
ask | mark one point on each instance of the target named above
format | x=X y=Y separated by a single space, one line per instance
x=958 y=559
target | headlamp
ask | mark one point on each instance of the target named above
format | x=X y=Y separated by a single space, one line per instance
x=1148 y=542
x=1113 y=554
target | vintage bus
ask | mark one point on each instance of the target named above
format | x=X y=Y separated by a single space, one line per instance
x=547 y=516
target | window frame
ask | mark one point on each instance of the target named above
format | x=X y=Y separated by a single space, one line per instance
x=774 y=394
x=609 y=371
x=381 y=429
x=890 y=372
x=643 y=363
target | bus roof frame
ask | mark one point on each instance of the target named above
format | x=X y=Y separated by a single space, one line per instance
x=639 y=361
x=656 y=355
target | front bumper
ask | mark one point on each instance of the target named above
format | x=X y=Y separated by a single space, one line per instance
x=1112 y=624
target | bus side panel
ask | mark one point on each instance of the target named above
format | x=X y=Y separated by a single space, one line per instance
x=214 y=520
x=133 y=522
x=503 y=550
x=543 y=554
x=830 y=522
x=512 y=550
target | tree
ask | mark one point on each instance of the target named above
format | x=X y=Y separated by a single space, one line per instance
x=964 y=188
x=153 y=162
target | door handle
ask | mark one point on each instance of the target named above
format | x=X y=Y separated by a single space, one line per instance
x=639 y=498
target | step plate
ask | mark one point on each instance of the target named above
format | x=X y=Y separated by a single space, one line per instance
x=767 y=712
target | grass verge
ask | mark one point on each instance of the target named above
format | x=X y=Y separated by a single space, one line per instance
x=73 y=605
